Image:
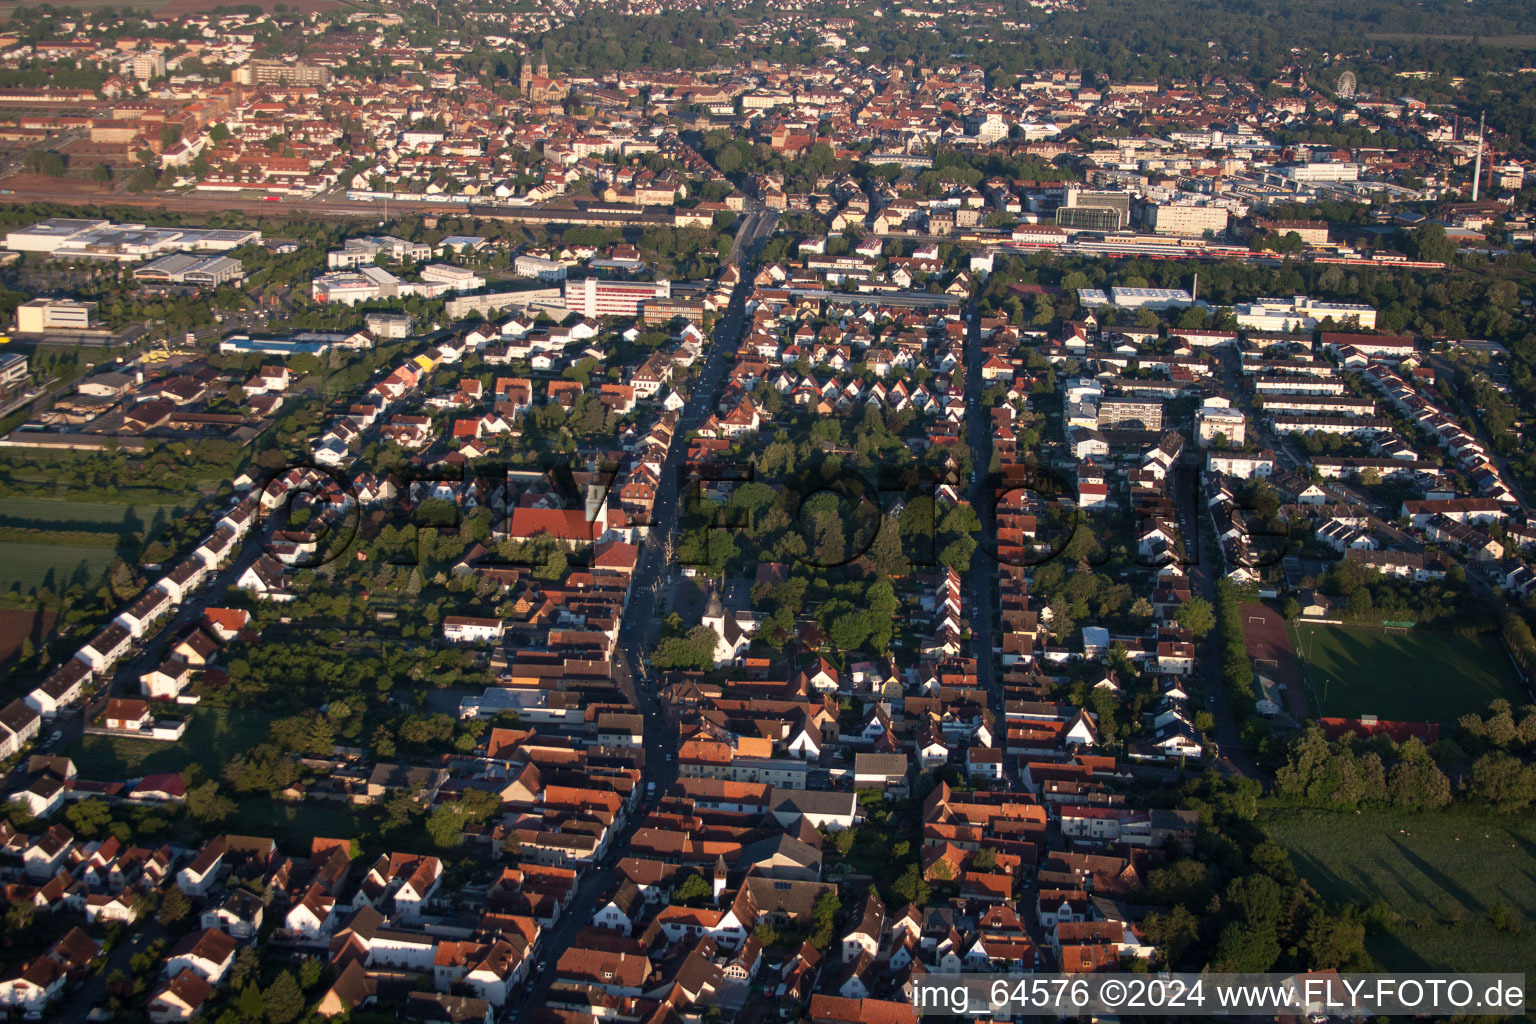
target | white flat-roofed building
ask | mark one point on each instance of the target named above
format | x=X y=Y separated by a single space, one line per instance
x=13 y=368
x=1151 y=298
x=466 y=629
x=50 y=234
x=1214 y=421
x=357 y=251
x=539 y=267
x=456 y=278
x=388 y=325
x=1320 y=171
x=1300 y=313
x=593 y=297
x=123 y=243
x=1188 y=219
x=354 y=286
x=38 y=315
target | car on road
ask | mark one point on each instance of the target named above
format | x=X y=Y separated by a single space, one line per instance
x=53 y=738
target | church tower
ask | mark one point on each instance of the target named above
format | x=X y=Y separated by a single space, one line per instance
x=719 y=879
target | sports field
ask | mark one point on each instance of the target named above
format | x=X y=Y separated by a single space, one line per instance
x=1417 y=675
x=1441 y=875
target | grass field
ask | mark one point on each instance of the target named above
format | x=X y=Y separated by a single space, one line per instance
x=213 y=736
x=1440 y=874
x=1415 y=676
x=32 y=565
x=103 y=516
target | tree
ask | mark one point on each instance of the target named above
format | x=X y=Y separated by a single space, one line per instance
x=1197 y=616
x=207 y=804
x=284 y=999
x=1172 y=933
x=887 y=553
x=824 y=919
x=1415 y=780
x=1336 y=943
x=1045 y=310
x=246 y=966
x=311 y=969
x=1359 y=603
x=693 y=890
x=1429 y=242
x=1502 y=781
x=1246 y=948
x=88 y=817
x=174 y=908
x=912 y=888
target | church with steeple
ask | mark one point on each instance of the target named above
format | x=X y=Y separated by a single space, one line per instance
x=536 y=85
x=733 y=640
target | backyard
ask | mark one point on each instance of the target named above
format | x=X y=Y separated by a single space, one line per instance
x=213 y=736
x=1417 y=675
x=1440 y=874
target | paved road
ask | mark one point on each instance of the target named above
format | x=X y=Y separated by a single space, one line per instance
x=1200 y=538
x=650 y=575
x=983 y=568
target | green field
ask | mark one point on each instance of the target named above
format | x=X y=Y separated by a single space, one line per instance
x=57 y=565
x=1440 y=873
x=1416 y=676
x=213 y=736
x=105 y=516
x=32 y=563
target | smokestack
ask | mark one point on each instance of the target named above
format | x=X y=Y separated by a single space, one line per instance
x=1477 y=163
x=1194 y=292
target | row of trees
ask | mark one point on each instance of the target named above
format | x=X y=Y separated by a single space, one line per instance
x=1335 y=775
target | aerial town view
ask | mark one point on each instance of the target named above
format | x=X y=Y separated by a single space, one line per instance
x=613 y=512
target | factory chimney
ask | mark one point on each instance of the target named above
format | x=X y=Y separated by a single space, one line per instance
x=1477 y=163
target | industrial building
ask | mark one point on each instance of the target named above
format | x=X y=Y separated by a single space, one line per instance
x=39 y=315
x=71 y=238
x=185 y=269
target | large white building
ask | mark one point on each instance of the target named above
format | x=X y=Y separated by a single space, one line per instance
x=456 y=279
x=1299 y=313
x=125 y=243
x=1151 y=298
x=539 y=267
x=357 y=251
x=1316 y=171
x=594 y=297
x=1188 y=219
x=1215 y=419
x=38 y=315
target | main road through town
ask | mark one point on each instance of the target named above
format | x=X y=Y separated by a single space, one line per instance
x=660 y=769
